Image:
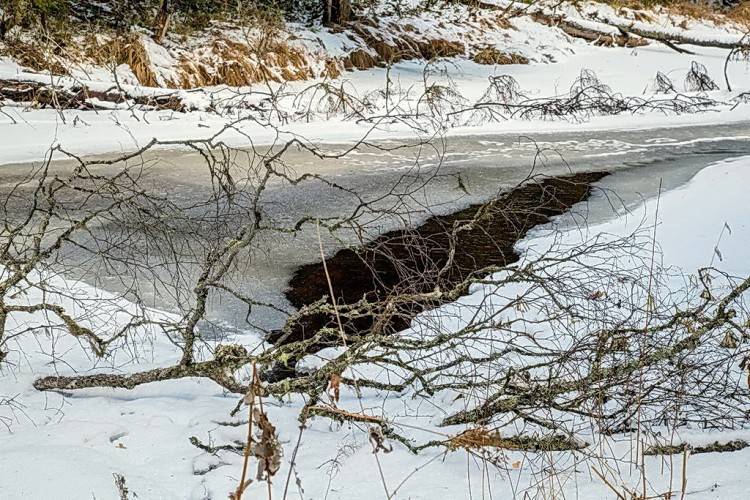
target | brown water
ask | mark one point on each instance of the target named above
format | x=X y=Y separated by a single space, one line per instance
x=443 y=252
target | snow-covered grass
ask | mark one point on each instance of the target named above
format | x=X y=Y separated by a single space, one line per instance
x=407 y=96
x=28 y=133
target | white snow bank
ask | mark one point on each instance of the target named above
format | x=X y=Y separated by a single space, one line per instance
x=27 y=134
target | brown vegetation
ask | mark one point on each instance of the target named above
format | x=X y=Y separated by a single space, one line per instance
x=268 y=56
x=359 y=59
x=403 y=46
x=225 y=62
x=741 y=14
x=129 y=50
x=437 y=47
x=34 y=54
x=491 y=55
x=122 y=48
x=698 y=10
x=232 y=63
x=40 y=52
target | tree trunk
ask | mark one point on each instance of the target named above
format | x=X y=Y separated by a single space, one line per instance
x=614 y=31
x=336 y=11
x=163 y=18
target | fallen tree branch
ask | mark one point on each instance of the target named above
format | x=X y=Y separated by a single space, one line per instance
x=518 y=442
x=610 y=31
x=715 y=447
x=81 y=97
x=207 y=369
x=678 y=36
x=341 y=415
x=600 y=38
x=589 y=31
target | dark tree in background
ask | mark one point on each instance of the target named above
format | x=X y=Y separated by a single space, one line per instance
x=336 y=11
x=327 y=11
x=163 y=18
x=29 y=12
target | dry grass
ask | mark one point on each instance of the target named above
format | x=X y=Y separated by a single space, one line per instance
x=740 y=14
x=36 y=54
x=477 y=438
x=644 y=4
x=40 y=53
x=115 y=49
x=240 y=63
x=438 y=47
x=394 y=53
x=222 y=61
x=501 y=21
x=226 y=62
x=291 y=62
x=128 y=49
x=258 y=57
x=359 y=59
x=702 y=10
x=491 y=55
x=388 y=51
x=332 y=69
x=401 y=46
x=232 y=63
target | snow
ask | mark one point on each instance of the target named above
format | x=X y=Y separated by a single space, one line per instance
x=27 y=134
x=557 y=61
x=69 y=445
x=80 y=440
x=718 y=190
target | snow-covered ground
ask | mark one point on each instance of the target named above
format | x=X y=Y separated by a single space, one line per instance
x=409 y=98
x=27 y=134
x=69 y=445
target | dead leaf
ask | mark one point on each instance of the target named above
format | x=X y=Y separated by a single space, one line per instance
x=334 y=391
x=378 y=440
x=267 y=450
